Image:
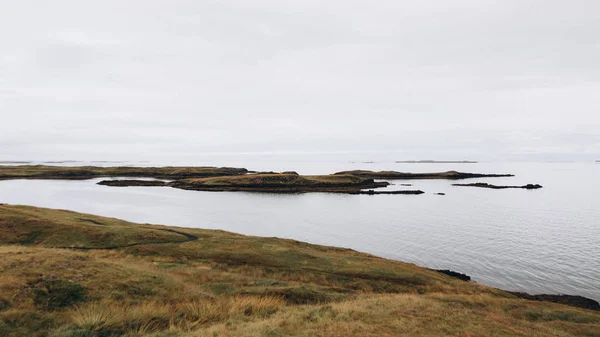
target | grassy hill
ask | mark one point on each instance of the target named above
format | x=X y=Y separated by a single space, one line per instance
x=66 y=274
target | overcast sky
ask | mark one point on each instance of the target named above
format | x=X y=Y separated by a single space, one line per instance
x=438 y=79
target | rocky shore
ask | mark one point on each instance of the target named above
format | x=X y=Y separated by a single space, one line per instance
x=570 y=300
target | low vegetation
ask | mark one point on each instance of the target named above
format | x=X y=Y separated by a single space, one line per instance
x=284 y=182
x=66 y=274
x=88 y=172
x=449 y=175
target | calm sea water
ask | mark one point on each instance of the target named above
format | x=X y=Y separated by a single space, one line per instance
x=541 y=241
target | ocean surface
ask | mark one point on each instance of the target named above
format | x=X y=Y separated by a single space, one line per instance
x=538 y=241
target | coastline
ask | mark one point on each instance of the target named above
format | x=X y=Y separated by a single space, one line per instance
x=77 y=266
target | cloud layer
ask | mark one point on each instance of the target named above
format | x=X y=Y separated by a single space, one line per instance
x=122 y=79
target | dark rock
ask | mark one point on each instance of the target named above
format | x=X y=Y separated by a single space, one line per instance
x=405 y=184
x=372 y=192
x=127 y=183
x=532 y=186
x=570 y=300
x=496 y=187
x=454 y=274
x=440 y=193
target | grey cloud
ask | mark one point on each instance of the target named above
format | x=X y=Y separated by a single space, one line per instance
x=430 y=77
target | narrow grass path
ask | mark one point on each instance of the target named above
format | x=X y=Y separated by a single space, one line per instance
x=188 y=238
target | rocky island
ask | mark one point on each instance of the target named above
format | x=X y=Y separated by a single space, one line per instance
x=286 y=182
x=280 y=183
x=132 y=183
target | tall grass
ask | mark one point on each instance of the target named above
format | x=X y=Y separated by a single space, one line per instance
x=205 y=311
x=153 y=316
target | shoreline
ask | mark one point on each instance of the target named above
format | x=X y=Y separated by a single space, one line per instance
x=209 y=178
x=66 y=268
x=566 y=299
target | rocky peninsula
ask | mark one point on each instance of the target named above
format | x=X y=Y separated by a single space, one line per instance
x=90 y=172
x=392 y=175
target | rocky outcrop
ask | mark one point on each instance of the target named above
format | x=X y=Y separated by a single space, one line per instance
x=571 y=300
x=450 y=175
x=496 y=187
x=454 y=274
x=372 y=192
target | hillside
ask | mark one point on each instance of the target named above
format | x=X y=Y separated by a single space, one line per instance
x=67 y=274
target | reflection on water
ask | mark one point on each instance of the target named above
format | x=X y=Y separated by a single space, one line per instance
x=542 y=241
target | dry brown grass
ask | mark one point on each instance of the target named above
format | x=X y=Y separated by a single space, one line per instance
x=225 y=284
x=87 y=172
x=403 y=315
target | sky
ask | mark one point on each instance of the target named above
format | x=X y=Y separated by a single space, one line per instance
x=429 y=79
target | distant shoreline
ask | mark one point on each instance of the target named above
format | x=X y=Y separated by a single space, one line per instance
x=436 y=162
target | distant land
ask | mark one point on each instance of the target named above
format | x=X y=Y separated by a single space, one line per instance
x=436 y=162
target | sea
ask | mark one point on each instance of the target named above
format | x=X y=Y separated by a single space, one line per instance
x=536 y=241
